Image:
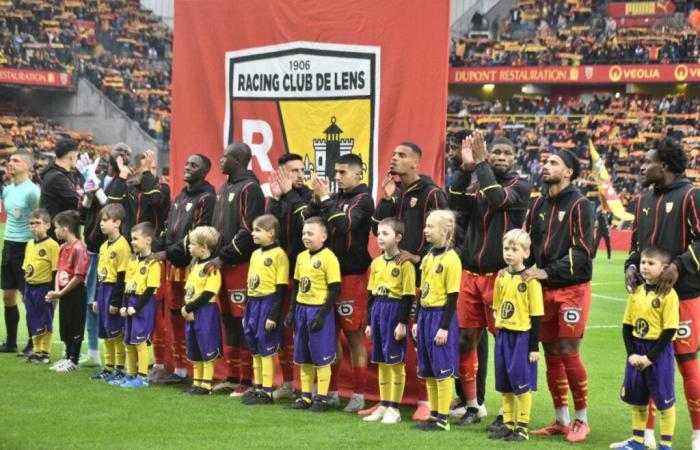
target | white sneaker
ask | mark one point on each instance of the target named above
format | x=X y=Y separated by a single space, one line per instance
x=283 y=391
x=694 y=442
x=649 y=441
x=378 y=414
x=69 y=366
x=333 y=400
x=356 y=403
x=482 y=411
x=59 y=364
x=391 y=416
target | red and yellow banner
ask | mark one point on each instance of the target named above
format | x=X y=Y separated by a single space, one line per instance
x=640 y=9
x=312 y=77
x=36 y=78
x=598 y=74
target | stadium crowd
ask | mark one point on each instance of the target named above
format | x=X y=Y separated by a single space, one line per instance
x=558 y=32
x=121 y=48
x=622 y=128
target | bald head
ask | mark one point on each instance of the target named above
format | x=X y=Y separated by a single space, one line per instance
x=236 y=158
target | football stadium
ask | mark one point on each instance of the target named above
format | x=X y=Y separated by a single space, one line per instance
x=397 y=224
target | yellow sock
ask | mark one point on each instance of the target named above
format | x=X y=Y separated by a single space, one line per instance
x=47 y=342
x=257 y=370
x=207 y=374
x=508 y=405
x=109 y=354
x=323 y=380
x=524 y=408
x=398 y=381
x=445 y=389
x=384 y=377
x=668 y=424
x=119 y=351
x=38 y=343
x=307 y=372
x=639 y=423
x=268 y=373
x=142 y=352
x=198 y=369
x=431 y=384
x=131 y=359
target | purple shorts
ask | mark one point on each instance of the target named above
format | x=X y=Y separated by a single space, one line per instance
x=513 y=370
x=313 y=347
x=203 y=334
x=259 y=340
x=139 y=327
x=384 y=318
x=436 y=361
x=656 y=381
x=39 y=313
x=108 y=325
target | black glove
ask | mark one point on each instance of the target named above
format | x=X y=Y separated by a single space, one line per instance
x=289 y=320
x=317 y=321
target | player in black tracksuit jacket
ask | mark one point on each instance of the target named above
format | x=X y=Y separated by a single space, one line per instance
x=410 y=201
x=668 y=216
x=560 y=224
x=150 y=199
x=192 y=207
x=490 y=200
x=239 y=202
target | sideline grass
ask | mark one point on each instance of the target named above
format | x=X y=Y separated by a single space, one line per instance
x=40 y=409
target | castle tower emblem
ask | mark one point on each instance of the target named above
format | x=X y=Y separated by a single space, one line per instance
x=328 y=150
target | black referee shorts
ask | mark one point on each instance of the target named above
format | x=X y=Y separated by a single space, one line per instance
x=11 y=273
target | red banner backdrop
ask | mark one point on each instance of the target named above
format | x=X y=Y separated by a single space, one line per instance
x=36 y=78
x=597 y=74
x=315 y=77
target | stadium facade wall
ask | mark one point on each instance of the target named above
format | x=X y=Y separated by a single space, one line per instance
x=88 y=109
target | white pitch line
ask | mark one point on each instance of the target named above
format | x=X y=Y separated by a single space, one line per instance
x=608 y=297
x=600 y=327
x=605 y=283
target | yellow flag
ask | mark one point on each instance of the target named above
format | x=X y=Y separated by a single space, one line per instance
x=605 y=188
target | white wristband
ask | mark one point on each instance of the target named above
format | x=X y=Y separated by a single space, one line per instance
x=100 y=194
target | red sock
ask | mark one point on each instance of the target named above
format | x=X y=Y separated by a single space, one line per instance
x=246 y=366
x=578 y=379
x=359 y=379
x=159 y=340
x=179 y=347
x=335 y=371
x=287 y=358
x=557 y=381
x=690 y=371
x=468 y=366
x=651 y=418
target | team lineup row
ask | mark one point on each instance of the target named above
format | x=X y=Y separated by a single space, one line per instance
x=489 y=200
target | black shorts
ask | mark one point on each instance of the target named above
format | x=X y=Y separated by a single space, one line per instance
x=11 y=273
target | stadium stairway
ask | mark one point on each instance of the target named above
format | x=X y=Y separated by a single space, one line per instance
x=88 y=109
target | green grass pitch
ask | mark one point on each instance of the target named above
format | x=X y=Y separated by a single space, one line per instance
x=41 y=409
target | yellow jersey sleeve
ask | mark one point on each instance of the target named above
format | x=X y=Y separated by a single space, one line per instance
x=53 y=249
x=332 y=268
x=453 y=272
x=282 y=268
x=671 y=312
x=627 y=319
x=123 y=255
x=371 y=283
x=535 y=300
x=498 y=292
x=213 y=282
x=153 y=277
x=408 y=278
x=302 y=256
